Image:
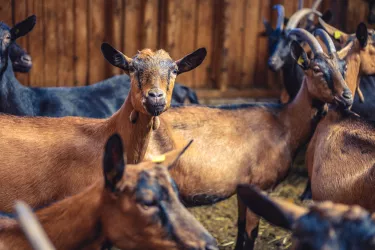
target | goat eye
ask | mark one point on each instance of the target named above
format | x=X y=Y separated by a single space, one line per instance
x=131 y=69
x=174 y=71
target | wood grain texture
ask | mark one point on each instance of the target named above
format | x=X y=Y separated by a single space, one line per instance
x=80 y=43
x=51 y=50
x=19 y=13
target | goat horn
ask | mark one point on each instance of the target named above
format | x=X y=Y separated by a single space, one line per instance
x=300 y=4
x=280 y=16
x=297 y=17
x=326 y=39
x=308 y=37
x=315 y=6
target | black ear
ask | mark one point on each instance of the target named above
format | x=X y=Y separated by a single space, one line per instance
x=268 y=28
x=113 y=162
x=299 y=55
x=263 y=206
x=114 y=57
x=24 y=27
x=362 y=34
x=327 y=16
x=191 y=61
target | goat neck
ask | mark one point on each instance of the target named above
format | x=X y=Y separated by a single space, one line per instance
x=72 y=224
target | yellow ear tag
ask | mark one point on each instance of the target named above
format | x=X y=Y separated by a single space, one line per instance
x=158 y=159
x=337 y=34
x=300 y=60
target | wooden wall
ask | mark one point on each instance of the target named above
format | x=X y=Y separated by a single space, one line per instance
x=65 y=44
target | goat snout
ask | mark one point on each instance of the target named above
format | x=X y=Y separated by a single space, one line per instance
x=155 y=101
x=274 y=63
x=26 y=59
x=346 y=99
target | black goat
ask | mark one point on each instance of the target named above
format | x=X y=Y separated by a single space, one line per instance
x=99 y=100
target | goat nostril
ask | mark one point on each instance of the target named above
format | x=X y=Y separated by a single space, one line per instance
x=26 y=58
x=156 y=94
x=347 y=95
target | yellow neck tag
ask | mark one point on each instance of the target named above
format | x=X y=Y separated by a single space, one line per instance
x=158 y=159
x=337 y=34
x=300 y=60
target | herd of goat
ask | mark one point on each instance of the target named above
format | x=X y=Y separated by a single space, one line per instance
x=116 y=163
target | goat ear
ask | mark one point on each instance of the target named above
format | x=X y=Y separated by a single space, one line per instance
x=113 y=162
x=191 y=61
x=277 y=212
x=268 y=28
x=171 y=158
x=338 y=35
x=299 y=55
x=115 y=57
x=342 y=53
x=327 y=16
x=24 y=27
x=362 y=34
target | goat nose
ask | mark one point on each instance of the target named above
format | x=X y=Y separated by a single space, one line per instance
x=157 y=93
x=26 y=58
x=347 y=94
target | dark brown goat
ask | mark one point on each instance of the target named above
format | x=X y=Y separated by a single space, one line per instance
x=250 y=144
x=132 y=207
x=341 y=155
x=324 y=226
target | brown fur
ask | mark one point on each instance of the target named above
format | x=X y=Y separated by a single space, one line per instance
x=341 y=156
x=249 y=145
x=47 y=159
x=98 y=215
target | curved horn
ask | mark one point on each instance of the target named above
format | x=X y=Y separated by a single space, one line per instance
x=315 y=6
x=326 y=39
x=297 y=17
x=300 y=4
x=308 y=37
x=280 y=16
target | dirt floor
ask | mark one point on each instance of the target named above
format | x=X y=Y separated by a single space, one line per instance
x=221 y=219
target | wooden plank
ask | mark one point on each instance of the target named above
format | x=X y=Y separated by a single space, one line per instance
x=218 y=43
x=187 y=37
x=250 y=37
x=80 y=45
x=65 y=51
x=163 y=24
x=6 y=12
x=133 y=33
x=204 y=33
x=357 y=12
x=261 y=69
x=97 y=31
x=235 y=93
x=223 y=78
x=150 y=25
x=19 y=14
x=37 y=44
x=115 y=36
x=51 y=32
x=235 y=50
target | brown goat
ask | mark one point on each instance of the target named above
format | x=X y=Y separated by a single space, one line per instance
x=251 y=143
x=47 y=159
x=341 y=155
x=132 y=207
x=324 y=226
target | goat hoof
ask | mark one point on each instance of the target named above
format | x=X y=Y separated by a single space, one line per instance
x=156 y=123
x=133 y=116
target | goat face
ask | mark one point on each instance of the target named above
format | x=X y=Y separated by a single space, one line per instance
x=325 y=226
x=280 y=53
x=9 y=35
x=324 y=73
x=152 y=76
x=21 y=61
x=141 y=208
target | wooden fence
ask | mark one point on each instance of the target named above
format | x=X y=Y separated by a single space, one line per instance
x=65 y=44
